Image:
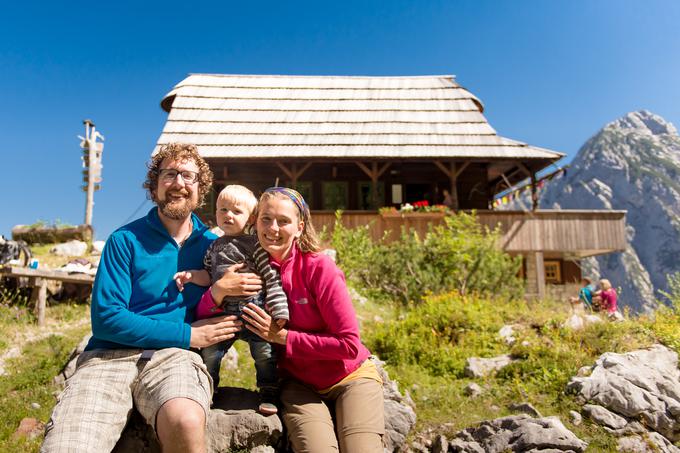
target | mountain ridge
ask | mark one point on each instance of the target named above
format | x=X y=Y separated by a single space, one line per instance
x=632 y=164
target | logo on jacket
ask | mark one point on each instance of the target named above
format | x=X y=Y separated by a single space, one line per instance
x=302 y=301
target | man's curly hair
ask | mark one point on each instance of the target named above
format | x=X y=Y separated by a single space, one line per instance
x=179 y=152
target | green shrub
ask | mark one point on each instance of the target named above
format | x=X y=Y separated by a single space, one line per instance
x=443 y=331
x=458 y=255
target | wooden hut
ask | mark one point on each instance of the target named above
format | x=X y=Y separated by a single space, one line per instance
x=354 y=143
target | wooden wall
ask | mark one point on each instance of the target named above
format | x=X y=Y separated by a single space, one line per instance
x=576 y=233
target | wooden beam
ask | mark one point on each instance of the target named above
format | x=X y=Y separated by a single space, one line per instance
x=285 y=170
x=452 y=171
x=294 y=173
x=534 y=193
x=373 y=173
x=540 y=275
x=382 y=170
x=39 y=298
x=364 y=168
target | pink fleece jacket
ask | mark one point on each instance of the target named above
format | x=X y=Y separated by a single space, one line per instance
x=323 y=344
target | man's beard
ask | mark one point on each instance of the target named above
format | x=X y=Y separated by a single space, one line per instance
x=177 y=209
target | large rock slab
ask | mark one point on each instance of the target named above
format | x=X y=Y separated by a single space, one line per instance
x=235 y=424
x=400 y=415
x=515 y=433
x=639 y=385
x=649 y=443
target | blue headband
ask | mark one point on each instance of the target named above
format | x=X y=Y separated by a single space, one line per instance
x=295 y=196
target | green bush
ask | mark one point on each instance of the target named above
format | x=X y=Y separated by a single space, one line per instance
x=459 y=255
x=443 y=331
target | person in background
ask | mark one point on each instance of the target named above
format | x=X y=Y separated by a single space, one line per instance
x=331 y=392
x=585 y=294
x=142 y=328
x=608 y=298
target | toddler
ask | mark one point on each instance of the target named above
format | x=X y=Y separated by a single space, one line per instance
x=235 y=214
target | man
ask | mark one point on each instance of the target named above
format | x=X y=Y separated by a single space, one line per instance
x=141 y=324
x=585 y=294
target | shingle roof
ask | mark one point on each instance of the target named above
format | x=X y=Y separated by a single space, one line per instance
x=254 y=116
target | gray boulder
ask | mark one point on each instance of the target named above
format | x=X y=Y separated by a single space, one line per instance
x=235 y=424
x=517 y=433
x=603 y=417
x=649 y=443
x=477 y=367
x=400 y=415
x=643 y=384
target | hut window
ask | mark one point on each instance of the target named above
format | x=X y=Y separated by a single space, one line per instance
x=305 y=189
x=553 y=271
x=335 y=195
x=364 y=188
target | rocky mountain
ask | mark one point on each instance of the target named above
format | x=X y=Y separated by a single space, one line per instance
x=631 y=164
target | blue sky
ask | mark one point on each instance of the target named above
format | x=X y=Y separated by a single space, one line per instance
x=550 y=73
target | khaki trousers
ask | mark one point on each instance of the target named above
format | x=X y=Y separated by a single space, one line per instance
x=356 y=407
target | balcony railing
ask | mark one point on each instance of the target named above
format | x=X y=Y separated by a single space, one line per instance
x=572 y=233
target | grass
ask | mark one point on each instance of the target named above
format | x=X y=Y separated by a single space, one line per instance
x=426 y=350
x=425 y=347
x=29 y=376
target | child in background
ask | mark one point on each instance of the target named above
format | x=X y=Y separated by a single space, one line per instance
x=235 y=214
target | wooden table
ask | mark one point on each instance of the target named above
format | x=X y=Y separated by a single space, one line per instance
x=38 y=281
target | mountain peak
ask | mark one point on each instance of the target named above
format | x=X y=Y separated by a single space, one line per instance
x=644 y=122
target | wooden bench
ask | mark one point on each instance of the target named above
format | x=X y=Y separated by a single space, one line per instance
x=37 y=279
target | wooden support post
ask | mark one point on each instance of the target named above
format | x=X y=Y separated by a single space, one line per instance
x=534 y=193
x=452 y=171
x=540 y=275
x=293 y=173
x=39 y=298
x=374 y=173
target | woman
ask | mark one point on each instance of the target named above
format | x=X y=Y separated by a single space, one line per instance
x=321 y=357
x=608 y=299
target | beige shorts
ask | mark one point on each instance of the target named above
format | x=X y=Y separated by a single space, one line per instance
x=358 y=411
x=98 y=399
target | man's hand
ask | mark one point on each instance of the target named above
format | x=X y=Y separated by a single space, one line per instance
x=181 y=278
x=207 y=332
x=234 y=283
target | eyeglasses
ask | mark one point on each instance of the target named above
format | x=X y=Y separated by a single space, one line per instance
x=168 y=175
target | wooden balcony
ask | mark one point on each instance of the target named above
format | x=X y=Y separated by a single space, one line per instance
x=570 y=234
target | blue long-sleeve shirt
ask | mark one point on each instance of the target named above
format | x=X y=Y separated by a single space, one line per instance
x=135 y=302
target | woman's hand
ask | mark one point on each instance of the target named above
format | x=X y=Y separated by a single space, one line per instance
x=207 y=332
x=234 y=283
x=260 y=323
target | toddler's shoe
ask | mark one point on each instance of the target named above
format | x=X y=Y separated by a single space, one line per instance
x=267 y=404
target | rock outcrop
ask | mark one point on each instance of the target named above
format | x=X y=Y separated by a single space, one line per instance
x=634 y=395
x=235 y=424
x=514 y=433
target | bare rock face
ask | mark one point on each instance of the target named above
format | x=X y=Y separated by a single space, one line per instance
x=640 y=385
x=649 y=443
x=515 y=433
x=400 y=415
